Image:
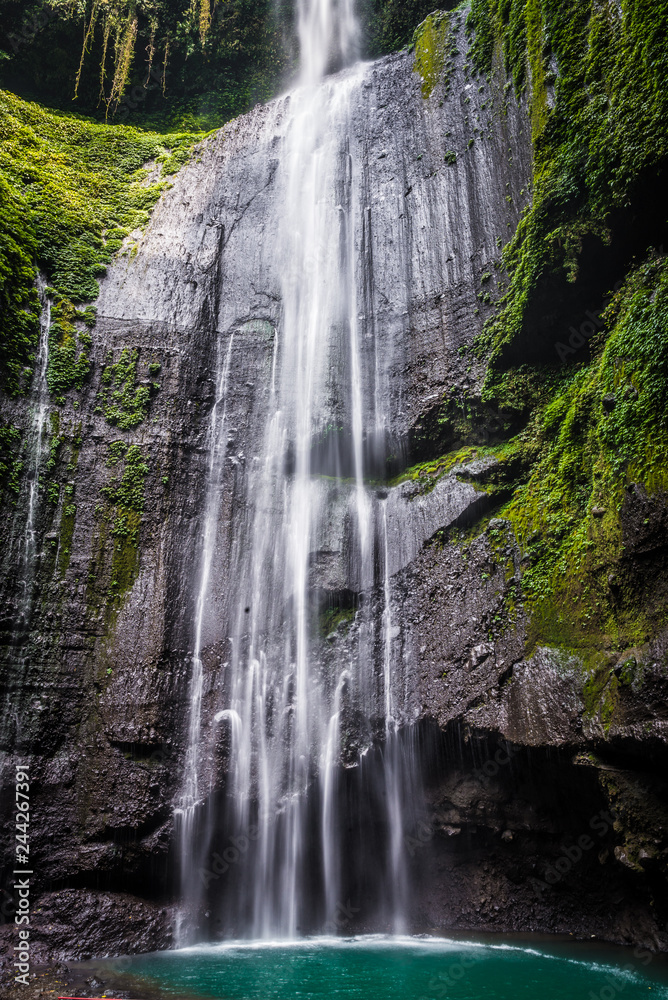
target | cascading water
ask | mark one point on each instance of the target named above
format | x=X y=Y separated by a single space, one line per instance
x=186 y=812
x=22 y=554
x=42 y=405
x=23 y=548
x=36 y=443
x=284 y=701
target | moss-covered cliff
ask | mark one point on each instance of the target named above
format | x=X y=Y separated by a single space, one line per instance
x=576 y=347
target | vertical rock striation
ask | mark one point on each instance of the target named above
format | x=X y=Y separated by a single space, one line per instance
x=96 y=683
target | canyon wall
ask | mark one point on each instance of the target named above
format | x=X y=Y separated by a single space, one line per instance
x=521 y=755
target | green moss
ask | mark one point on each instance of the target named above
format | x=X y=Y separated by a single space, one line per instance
x=427 y=474
x=433 y=44
x=11 y=465
x=67 y=525
x=390 y=24
x=122 y=519
x=70 y=191
x=607 y=126
x=601 y=695
x=598 y=127
x=69 y=349
x=591 y=431
x=116 y=452
x=330 y=619
x=69 y=508
x=19 y=303
x=603 y=428
x=124 y=403
x=480 y=23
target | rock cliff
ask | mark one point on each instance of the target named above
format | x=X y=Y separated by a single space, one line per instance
x=524 y=748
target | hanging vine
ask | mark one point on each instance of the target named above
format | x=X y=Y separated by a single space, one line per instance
x=122 y=22
x=88 y=36
x=204 y=19
x=124 y=50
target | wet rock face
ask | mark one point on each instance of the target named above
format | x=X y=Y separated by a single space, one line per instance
x=80 y=924
x=528 y=840
x=97 y=699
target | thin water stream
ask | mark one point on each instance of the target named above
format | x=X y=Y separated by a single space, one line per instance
x=21 y=556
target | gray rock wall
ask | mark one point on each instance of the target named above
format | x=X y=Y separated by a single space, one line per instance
x=95 y=684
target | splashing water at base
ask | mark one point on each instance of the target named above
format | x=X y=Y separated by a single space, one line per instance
x=375 y=968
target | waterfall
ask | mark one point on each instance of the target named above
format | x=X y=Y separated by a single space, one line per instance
x=22 y=555
x=22 y=552
x=39 y=419
x=284 y=698
x=185 y=814
x=394 y=772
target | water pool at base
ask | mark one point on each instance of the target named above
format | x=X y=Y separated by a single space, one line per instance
x=383 y=968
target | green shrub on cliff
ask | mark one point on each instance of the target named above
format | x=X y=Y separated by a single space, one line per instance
x=596 y=75
x=10 y=462
x=603 y=429
x=70 y=191
x=19 y=304
x=179 y=63
x=124 y=403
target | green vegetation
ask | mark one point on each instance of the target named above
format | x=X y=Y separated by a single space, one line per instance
x=595 y=430
x=124 y=403
x=330 y=619
x=71 y=190
x=598 y=127
x=434 y=46
x=390 y=24
x=180 y=64
x=62 y=486
x=126 y=497
x=427 y=474
x=597 y=84
x=603 y=429
x=67 y=525
x=10 y=463
x=122 y=515
x=69 y=349
x=171 y=64
x=19 y=303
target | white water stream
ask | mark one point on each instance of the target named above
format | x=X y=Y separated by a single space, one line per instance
x=283 y=709
x=36 y=448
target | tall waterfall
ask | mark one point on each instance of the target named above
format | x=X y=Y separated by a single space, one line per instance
x=287 y=703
